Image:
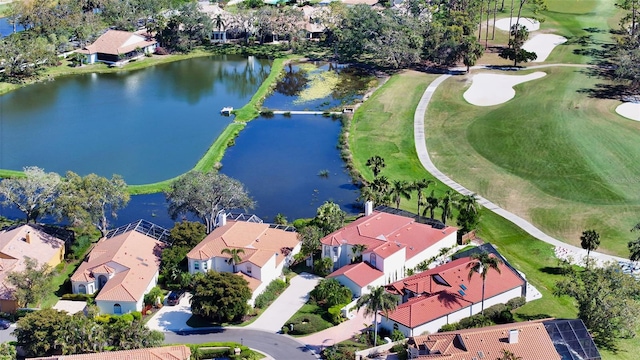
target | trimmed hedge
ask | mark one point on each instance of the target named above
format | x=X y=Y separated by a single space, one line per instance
x=306 y=324
x=77 y=297
x=270 y=294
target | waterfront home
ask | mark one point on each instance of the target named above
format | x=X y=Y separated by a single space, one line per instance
x=18 y=243
x=446 y=294
x=172 y=352
x=117 y=47
x=389 y=241
x=122 y=267
x=263 y=251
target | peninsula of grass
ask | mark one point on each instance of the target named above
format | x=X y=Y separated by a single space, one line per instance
x=383 y=126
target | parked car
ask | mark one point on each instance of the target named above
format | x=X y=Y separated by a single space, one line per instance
x=4 y=324
x=175 y=297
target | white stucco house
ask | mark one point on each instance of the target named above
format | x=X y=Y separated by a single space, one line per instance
x=392 y=243
x=122 y=267
x=266 y=248
x=116 y=47
x=445 y=295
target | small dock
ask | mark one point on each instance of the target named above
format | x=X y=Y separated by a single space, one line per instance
x=281 y=112
x=226 y=111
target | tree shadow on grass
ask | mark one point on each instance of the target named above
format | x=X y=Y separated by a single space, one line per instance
x=553 y=270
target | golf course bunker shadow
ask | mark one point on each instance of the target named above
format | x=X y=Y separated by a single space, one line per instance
x=494 y=89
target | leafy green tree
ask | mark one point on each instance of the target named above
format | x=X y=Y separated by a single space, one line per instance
x=310 y=236
x=205 y=194
x=188 y=233
x=634 y=246
x=221 y=297
x=32 y=284
x=329 y=292
x=329 y=217
x=471 y=50
x=518 y=35
x=280 y=219
x=32 y=194
x=627 y=56
x=376 y=164
x=323 y=266
x=8 y=351
x=37 y=333
x=154 y=296
x=446 y=203
x=88 y=200
x=589 y=240
x=378 y=300
x=234 y=256
x=81 y=335
x=173 y=263
x=124 y=334
x=468 y=215
x=607 y=302
x=481 y=263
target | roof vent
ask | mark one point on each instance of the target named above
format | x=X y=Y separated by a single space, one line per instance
x=513 y=336
x=480 y=355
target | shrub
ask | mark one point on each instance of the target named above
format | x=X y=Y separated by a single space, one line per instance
x=335 y=312
x=475 y=321
x=307 y=324
x=137 y=315
x=77 y=297
x=273 y=290
x=397 y=335
x=214 y=353
x=449 y=327
x=505 y=317
x=396 y=348
x=494 y=311
x=516 y=302
x=266 y=113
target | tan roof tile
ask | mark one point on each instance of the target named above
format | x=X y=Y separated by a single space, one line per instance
x=174 y=352
x=117 y=42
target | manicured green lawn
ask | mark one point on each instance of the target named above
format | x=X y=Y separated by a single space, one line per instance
x=308 y=320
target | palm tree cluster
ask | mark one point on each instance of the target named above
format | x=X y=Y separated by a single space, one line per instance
x=384 y=192
x=378 y=300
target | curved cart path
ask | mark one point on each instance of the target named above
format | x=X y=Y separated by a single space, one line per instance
x=425 y=160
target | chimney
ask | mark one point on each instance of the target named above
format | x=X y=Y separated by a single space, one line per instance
x=222 y=218
x=368 y=208
x=27 y=237
x=513 y=336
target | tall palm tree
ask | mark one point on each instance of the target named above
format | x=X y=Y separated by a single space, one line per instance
x=420 y=186
x=219 y=22
x=380 y=186
x=431 y=204
x=446 y=203
x=508 y=355
x=634 y=246
x=376 y=164
x=374 y=302
x=234 y=256
x=400 y=189
x=589 y=240
x=469 y=203
x=481 y=263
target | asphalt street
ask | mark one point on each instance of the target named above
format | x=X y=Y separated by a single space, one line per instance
x=280 y=347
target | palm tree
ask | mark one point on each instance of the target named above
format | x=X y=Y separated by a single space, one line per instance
x=219 y=22
x=376 y=164
x=234 y=256
x=481 y=263
x=400 y=189
x=357 y=250
x=374 y=302
x=634 y=246
x=380 y=187
x=446 y=203
x=420 y=186
x=589 y=240
x=469 y=203
x=508 y=355
x=310 y=237
x=431 y=204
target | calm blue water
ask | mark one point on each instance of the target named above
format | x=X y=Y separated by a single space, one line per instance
x=6 y=28
x=148 y=125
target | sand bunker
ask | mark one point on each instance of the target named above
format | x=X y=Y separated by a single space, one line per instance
x=543 y=44
x=494 y=89
x=530 y=24
x=629 y=110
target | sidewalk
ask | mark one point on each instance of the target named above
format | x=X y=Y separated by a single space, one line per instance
x=339 y=333
x=286 y=304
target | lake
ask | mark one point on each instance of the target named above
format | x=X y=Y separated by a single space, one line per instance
x=6 y=28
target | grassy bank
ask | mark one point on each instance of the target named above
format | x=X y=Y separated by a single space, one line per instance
x=383 y=126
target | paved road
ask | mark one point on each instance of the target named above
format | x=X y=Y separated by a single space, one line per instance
x=425 y=160
x=280 y=347
x=286 y=304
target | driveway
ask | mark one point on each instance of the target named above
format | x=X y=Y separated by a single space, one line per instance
x=286 y=304
x=339 y=333
x=172 y=318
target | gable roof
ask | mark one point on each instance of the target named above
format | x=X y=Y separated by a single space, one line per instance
x=20 y=242
x=259 y=241
x=446 y=289
x=174 y=352
x=385 y=234
x=116 y=42
x=533 y=343
x=362 y=274
x=137 y=256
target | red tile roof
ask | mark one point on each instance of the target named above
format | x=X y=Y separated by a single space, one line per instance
x=175 y=352
x=533 y=343
x=362 y=274
x=435 y=299
x=116 y=42
x=136 y=253
x=259 y=242
x=385 y=234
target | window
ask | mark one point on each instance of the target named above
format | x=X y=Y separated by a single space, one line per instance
x=372 y=259
x=196 y=265
x=82 y=289
x=102 y=280
x=248 y=269
x=395 y=326
x=117 y=309
x=204 y=265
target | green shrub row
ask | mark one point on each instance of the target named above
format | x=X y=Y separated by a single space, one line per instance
x=496 y=314
x=273 y=290
x=78 y=297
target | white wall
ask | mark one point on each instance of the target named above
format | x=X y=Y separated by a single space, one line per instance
x=106 y=307
x=392 y=264
x=268 y=272
x=355 y=289
x=432 y=251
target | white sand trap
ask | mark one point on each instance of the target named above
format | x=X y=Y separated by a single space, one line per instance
x=543 y=44
x=530 y=24
x=629 y=110
x=494 y=89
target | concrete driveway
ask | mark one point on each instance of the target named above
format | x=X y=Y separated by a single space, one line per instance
x=172 y=318
x=338 y=333
x=290 y=301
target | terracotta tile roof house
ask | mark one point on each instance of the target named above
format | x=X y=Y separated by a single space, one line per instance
x=175 y=352
x=115 y=46
x=528 y=340
x=266 y=251
x=393 y=243
x=18 y=243
x=444 y=295
x=123 y=267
